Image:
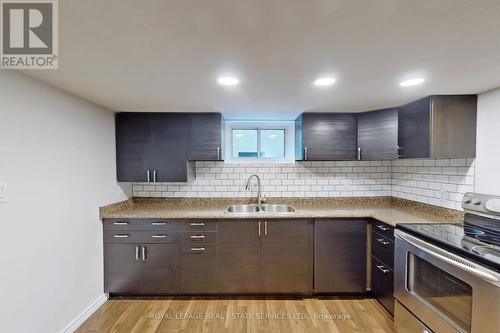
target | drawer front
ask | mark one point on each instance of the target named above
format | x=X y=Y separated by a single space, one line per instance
x=383 y=284
x=139 y=224
x=383 y=249
x=141 y=237
x=198 y=273
x=198 y=226
x=198 y=237
x=385 y=230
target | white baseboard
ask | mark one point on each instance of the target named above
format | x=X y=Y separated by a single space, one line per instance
x=80 y=319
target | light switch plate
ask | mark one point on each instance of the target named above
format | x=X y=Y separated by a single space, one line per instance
x=2 y=193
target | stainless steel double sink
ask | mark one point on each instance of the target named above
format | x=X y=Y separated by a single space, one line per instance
x=262 y=209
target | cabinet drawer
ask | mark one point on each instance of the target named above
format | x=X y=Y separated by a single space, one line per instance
x=383 y=249
x=198 y=273
x=383 y=284
x=198 y=237
x=383 y=229
x=142 y=237
x=139 y=224
x=198 y=226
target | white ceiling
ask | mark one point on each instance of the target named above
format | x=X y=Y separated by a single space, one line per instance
x=165 y=55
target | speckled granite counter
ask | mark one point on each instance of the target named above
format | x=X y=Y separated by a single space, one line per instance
x=385 y=209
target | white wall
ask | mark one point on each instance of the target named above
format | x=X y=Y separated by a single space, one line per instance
x=488 y=143
x=57 y=160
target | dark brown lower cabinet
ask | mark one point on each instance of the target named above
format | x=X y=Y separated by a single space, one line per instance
x=340 y=256
x=383 y=284
x=122 y=272
x=263 y=256
x=160 y=268
x=198 y=271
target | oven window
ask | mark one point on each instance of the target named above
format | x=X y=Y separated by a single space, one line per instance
x=446 y=293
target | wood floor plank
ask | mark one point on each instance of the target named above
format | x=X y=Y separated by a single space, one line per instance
x=240 y=314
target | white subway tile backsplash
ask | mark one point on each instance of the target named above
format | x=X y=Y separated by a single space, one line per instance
x=439 y=182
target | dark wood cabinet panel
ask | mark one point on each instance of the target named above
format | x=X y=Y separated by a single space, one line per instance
x=198 y=273
x=378 y=135
x=286 y=256
x=160 y=272
x=205 y=136
x=383 y=249
x=340 y=256
x=326 y=136
x=122 y=269
x=133 y=135
x=169 y=147
x=383 y=284
x=239 y=257
x=414 y=129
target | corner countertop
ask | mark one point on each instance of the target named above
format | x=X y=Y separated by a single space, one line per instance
x=389 y=210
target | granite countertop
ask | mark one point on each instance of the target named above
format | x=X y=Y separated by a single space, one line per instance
x=390 y=210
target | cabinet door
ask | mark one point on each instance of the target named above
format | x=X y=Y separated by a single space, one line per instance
x=204 y=137
x=383 y=284
x=378 y=135
x=198 y=268
x=122 y=271
x=132 y=146
x=340 y=256
x=160 y=272
x=285 y=256
x=415 y=129
x=329 y=136
x=169 y=147
x=239 y=257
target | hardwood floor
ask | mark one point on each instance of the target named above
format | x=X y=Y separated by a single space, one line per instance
x=240 y=314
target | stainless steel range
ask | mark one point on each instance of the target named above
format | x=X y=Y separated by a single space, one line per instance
x=447 y=277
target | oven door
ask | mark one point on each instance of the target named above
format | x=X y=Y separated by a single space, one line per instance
x=445 y=291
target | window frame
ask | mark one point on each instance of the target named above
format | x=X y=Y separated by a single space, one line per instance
x=287 y=126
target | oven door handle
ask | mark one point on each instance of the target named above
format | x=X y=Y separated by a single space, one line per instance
x=451 y=259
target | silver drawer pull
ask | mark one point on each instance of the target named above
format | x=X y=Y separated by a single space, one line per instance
x=159 y=236
x=158 y=223
x=120 y=223
x=197 y=237
x=382 y=269
x=197 y=249
x=120 y=236
x=197 y=224
x=382 y=228
x=382 y=241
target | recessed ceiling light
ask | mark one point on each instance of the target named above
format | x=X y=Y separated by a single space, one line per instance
x=228 y=81
x=412 y=82
x=324 y=82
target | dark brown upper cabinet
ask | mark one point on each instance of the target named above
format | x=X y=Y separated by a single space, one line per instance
x=378 y=135
x=152 y=147
x=205 y=133
x=326 y=136
x=438 y=127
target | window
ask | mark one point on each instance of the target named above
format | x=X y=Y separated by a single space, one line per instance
x=267 y=142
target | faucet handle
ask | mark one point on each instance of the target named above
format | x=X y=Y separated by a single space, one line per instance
x=264 y=199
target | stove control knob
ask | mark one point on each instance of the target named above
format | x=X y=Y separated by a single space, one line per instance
x=467 y=200
x=476 y=202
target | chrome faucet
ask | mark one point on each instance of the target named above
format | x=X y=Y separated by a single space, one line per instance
x=259 y=188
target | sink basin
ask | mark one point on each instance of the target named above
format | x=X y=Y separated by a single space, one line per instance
x=276 y=209
x=252 y=209
x=242 y=209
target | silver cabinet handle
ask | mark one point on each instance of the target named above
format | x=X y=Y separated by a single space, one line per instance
x=197 y=236
x=382 y=241
x=154 y=176
x=265 y=228
x=305 y=153
x=359 y=153
x=197 y=224
x=218 y=153
x=120 y=223
x=159 y=236
x=148 y=176
x=382 y=269
x=382 y=228
x=143 y=248
x=197 y=249
x=120 y=235
x=158 y=223
x=259 y=228
x=137 y=253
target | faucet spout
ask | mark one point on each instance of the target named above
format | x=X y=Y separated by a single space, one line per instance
x=259 y=188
